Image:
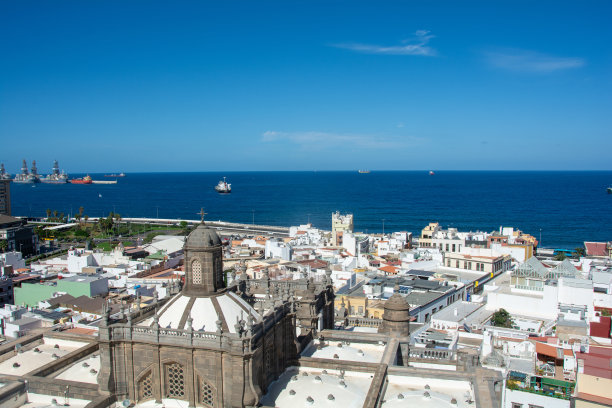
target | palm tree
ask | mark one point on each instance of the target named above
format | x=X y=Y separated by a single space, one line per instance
x=48 y=213
x=81 y=210
x=579 y=251
x=55 y=214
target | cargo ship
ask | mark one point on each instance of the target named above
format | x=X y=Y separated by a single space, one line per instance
x=83 y=180
x=25 y=176
x=364 y=171
x=3 y=174
x=223 y=187
x=56 y=177
x=115 y=175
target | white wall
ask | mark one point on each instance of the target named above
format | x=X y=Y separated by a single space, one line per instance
x=526 y=398
x=542 y=308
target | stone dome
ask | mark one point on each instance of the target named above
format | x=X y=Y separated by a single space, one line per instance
x=202 y=237
x=227 y=308
x=397 y=303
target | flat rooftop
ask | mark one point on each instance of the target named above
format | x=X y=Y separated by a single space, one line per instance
x=46 y=401
x=27 y=361
x=456 y=311
x=405 y=391
x=85 y=370
x=347 y=351
x=318 y=388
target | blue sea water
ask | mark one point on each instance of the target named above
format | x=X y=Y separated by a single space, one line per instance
x=567 y=208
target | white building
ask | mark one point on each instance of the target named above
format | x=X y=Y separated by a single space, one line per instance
x=276 y=248
x=536 y=291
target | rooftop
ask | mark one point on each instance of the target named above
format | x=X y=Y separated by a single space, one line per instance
x=427 y=392
x=457 y=311
x=24 y=362
x=364 y=352
x=318 y=388
x=85 y=370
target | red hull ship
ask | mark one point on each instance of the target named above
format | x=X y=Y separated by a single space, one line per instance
x=84 y=180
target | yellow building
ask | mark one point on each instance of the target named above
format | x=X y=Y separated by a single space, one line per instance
x=360 y=306
x=593 y=391
x=425 y=241
x=341 y=223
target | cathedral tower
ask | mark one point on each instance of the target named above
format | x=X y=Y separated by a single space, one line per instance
x=203 y=263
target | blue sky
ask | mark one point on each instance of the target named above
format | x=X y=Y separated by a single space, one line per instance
x=331 y=85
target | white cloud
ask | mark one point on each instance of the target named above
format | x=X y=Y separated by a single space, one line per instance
x=416 y=45
x=319 y=140
x=531 y=61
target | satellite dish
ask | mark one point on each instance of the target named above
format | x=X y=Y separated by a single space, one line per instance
x=126 y=403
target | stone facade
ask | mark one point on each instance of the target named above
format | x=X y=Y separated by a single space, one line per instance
x=230 y=365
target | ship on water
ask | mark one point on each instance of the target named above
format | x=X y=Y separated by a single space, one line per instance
x=223 y=187
x=364 y=171
x=3 y=174
x=25 y=176
x=115 y=175
x=83 y=180
x=56 y=177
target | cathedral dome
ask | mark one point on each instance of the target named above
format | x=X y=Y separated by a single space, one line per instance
x=228 y=309
x=202 y=237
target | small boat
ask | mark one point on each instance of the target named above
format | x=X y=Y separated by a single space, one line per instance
x=431 y=173
x=223 y=187
x=609 y=190
x=84 y=180
x=364 y=171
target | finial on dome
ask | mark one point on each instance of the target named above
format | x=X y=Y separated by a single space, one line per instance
x=202 y=214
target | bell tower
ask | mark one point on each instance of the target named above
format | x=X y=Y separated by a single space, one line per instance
x=203 y=262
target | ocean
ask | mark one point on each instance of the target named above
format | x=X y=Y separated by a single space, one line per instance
x=564 y=208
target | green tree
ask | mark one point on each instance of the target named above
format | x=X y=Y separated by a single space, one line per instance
x=501 y=318
x=81 y=209
x=560 y=256
x=3 y=245
x=55 y=214
x=48 y=213
x=579 y=251
x=183 y=224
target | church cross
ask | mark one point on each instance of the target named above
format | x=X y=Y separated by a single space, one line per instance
x=202 y=214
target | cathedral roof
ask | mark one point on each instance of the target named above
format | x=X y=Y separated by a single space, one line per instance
x=227 y=308
x=202 y=237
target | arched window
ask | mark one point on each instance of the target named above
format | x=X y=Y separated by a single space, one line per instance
x=145 y=387
x=175 y=381
x=196 y=272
